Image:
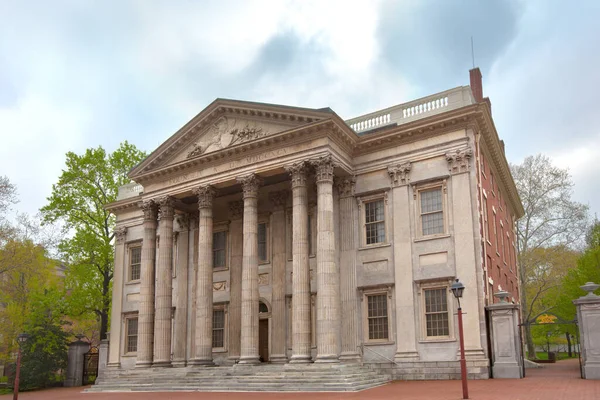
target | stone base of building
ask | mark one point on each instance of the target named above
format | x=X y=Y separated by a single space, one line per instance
x=591 y=371
x=507 y=371
x=432 y=370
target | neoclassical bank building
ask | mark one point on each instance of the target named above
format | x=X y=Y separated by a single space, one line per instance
x=261 y=235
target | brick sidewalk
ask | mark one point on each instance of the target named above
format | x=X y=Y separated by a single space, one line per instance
x=558 y=381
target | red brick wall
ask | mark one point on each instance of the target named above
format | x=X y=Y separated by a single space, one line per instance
x=500 y=256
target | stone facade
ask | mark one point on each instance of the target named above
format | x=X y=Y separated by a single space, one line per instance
x=263 y=233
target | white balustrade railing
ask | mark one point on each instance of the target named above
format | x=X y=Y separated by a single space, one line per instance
x=402 y=113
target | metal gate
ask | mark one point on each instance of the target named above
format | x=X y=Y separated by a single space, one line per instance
x=558 y=321
x=90 y=366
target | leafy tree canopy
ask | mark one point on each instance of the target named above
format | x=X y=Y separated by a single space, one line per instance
x=86 y=185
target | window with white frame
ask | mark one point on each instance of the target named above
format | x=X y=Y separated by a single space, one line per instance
x=377 y=317
x=435 y=308
x=135 y=263
x=131 y=334
x=218 y=332
x=374 y=221
x=220 y=249
x=431 y=206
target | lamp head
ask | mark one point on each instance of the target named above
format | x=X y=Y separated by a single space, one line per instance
x=22 y=338
x=457 y=289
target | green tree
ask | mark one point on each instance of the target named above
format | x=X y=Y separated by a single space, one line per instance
x=45 y=351
x=551 y=218
x=8 y=196
x=89 y=182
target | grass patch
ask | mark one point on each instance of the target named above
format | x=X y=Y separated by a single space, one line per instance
x=559 y=356
x=3 y=379
x=5 y=391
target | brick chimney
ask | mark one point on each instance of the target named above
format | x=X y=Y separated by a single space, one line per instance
x=476 y=85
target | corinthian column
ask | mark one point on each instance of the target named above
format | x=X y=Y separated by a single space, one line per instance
x=204 y=280
x=349 y=300
x=146 y=311
x=300 y=266
x=164 y=289
x=328 y=280
x=236 y=235
x=278 y=200
x=249 y=340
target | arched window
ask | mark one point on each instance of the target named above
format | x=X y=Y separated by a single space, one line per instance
x=262 y=308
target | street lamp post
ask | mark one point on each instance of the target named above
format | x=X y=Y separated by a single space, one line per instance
x=457 y=289
x=22 y=338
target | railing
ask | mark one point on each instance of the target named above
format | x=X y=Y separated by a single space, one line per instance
x=371 y=123
x=421 y=108
x=130 y=190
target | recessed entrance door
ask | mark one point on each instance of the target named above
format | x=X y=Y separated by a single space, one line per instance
x=263 y=340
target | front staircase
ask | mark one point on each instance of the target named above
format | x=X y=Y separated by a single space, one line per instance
x=239 y=378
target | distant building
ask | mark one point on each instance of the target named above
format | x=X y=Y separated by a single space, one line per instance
x=267 y=233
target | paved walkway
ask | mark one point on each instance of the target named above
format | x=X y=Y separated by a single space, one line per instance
x=558 y=381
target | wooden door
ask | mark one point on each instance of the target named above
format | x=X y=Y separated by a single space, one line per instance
x=263 y=340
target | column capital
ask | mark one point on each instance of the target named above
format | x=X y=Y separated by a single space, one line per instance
x=279 y=198
x=165 y=204
x=205 y=196
x=236 y=209
x=298 y=172
x=183 y=220
x=250 y=184
x=346 y=186
x=400 y=174
x=458 y=160
x=120 y=234
x=324 y=168
x=150 y=210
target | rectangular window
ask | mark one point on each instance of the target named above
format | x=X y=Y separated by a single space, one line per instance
x=496 y=234
x=219 y=249
x=132 y=332
x=436 y=312
x=262 y=242
x=218 y=333
x=377 y=315
x=135 y=263
x=485 y=220
x=502 y=240
x=375 y=222
x=432 y=214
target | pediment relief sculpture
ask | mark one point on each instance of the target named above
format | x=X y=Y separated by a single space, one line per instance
x=225 y=132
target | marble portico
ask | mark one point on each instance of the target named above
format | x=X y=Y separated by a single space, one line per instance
x=261 y=233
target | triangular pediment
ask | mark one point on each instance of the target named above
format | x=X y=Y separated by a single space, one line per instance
x=225 y=124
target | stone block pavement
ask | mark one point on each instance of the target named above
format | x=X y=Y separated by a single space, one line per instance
x=558 y=381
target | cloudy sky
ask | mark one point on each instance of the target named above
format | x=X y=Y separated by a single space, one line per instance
x=78 y=74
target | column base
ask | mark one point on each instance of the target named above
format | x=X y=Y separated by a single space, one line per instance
x=350 y=357
x=507 y=371
x=472 y=354
x=249 y=360
x=114 y=365
x=207 y=362
x=591 y=370
x=278 y=359
x=178 y=364
x=233 y=359
x=162 y=364
x=327 y=358
x=143 y=364
x=300 y=359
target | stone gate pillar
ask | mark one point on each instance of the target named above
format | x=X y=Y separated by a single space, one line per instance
x=506 y=347
x=75 y=363
x=588 y=317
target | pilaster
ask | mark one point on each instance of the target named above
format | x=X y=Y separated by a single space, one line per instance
x=349 y=300
x=406 y=341
x=117 y=297
x=278 y=350
x=181 y=310
x=588 y=317
x=236 y=233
